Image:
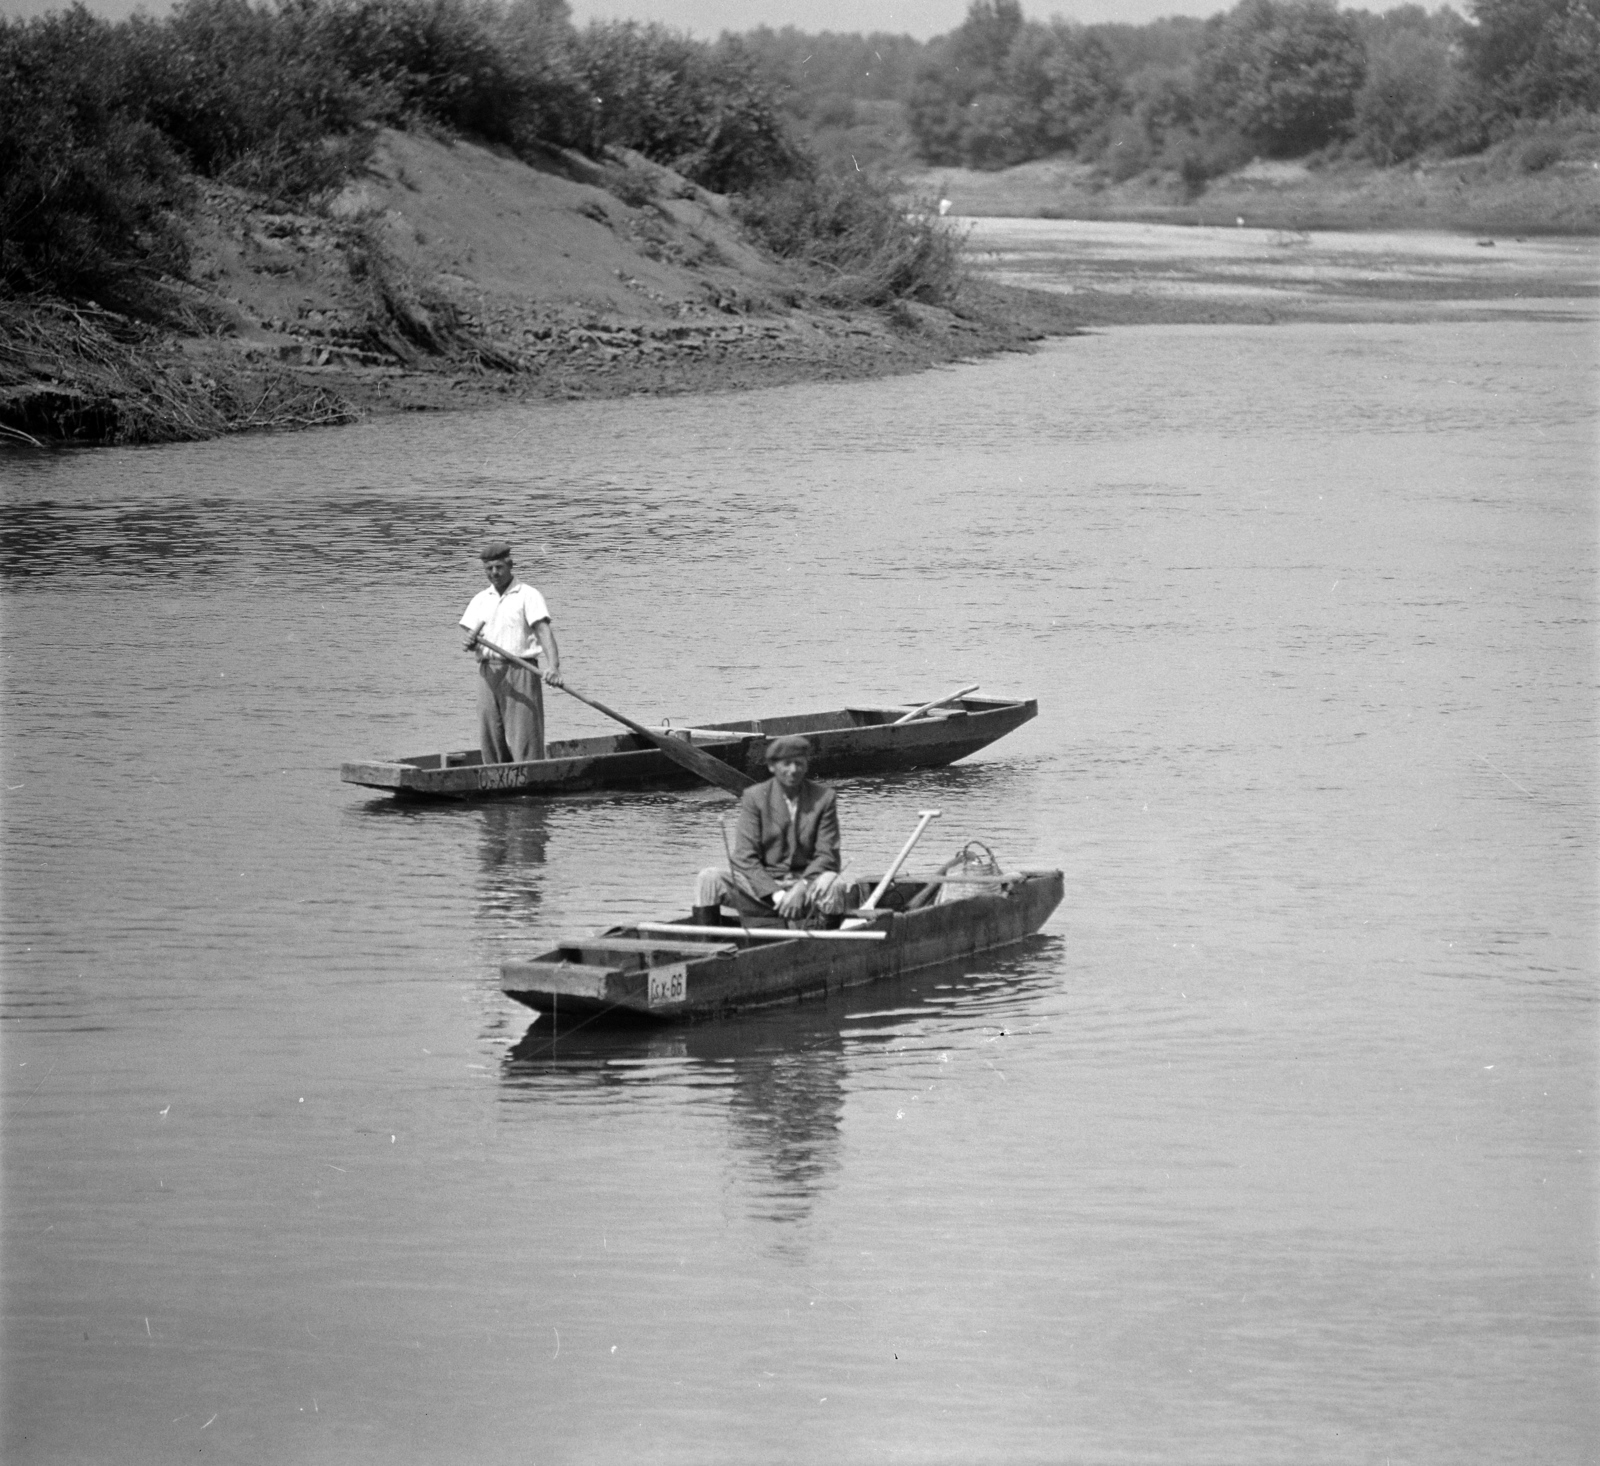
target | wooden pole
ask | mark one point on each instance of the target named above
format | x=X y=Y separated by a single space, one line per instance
x=759 y=933
x=922 y=823
x=679 y=750
x=938 y=702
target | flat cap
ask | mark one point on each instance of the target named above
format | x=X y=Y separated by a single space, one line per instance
x=495 y=550
x=791 y=745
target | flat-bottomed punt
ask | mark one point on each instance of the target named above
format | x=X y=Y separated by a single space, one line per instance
x=847 y=741
x=674 y=969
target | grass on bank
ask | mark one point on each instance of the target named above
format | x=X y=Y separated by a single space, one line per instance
x=857 y=239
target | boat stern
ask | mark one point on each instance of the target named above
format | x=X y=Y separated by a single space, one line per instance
x=617 y=972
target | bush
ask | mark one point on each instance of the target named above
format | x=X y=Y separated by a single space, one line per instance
x=707 y=111
x=506 y=76
x=1410 y=99
x=1000 y=90
x=91 y=195
x=1192 y=170
x=1212 y=155
x=1540 y=154
x=1127 y=151
x=834 y=110
x=1536 y=58
x=250 y=94
x=853 y=232
x=1285 y=73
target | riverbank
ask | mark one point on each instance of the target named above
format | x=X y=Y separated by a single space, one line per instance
x=450 y=274
x=1116 y=273
x=1516 y=187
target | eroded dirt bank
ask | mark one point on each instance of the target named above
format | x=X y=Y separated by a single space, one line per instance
x=450 y=275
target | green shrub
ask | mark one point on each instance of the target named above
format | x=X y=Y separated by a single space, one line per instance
x=1535 y=58
x=250 y=94
x=1127 y=152
x=635 y=186
x=1285 y=73
x=1540 y=154
x=858 y=237
x=707 y=111
x=999 y=89
x=91 y=195
x=1411 y=99
x=1192 y=170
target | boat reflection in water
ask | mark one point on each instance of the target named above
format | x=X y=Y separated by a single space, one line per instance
x=786 y=1072
x=512 y=839
x=508 y=840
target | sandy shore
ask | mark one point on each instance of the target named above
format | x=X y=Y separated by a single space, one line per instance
x=1129 y=273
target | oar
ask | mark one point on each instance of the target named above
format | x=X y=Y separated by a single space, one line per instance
x=938 y=702
x=925 y=815
x=679 y=750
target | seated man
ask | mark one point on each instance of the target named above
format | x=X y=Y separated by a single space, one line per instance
x=785 y=855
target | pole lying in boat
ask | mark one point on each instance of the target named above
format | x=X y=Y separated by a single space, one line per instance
x=679 y=750
x=925 y=815
x=755 y=933
x=938 y=702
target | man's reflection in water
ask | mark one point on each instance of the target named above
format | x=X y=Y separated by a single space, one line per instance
x=511 y=850
x=786 y=1106
x=782 y=1069
x=782 y=1072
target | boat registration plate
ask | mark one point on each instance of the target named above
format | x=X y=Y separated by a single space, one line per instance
x=669 y=984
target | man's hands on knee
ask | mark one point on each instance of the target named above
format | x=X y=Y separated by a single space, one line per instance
x=790 y=901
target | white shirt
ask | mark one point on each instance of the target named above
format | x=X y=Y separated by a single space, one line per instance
x=508 y=620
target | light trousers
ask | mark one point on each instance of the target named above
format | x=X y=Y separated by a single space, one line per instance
x=827 y=894
x=510 y=713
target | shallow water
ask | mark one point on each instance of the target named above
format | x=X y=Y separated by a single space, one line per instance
x=1277 y=1145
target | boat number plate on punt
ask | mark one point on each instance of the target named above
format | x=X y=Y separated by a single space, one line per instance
x=669 y=984
x=503 y=776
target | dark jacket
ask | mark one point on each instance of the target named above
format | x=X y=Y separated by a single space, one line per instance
x=769 y=848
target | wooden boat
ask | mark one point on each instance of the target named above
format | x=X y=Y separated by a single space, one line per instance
x=852 y=740
x=674 y=969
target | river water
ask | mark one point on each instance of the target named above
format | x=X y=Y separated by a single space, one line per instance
x=1278 y=1144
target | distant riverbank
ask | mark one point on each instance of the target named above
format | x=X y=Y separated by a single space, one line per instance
x=1139 y=274
x=1499 y=192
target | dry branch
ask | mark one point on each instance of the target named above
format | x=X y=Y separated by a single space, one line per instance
x=80 y=373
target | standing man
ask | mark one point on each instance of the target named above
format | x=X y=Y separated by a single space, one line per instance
x=785 y=853
x=512 y=615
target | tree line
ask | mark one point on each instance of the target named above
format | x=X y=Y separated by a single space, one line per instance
x=1272 y=78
